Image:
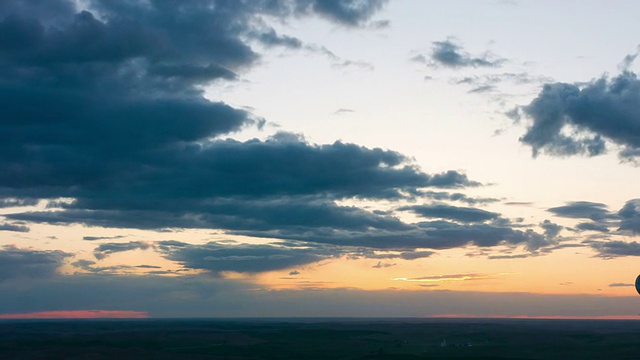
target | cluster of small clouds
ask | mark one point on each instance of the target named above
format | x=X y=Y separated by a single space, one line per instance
x=566 y=119
x=605 y=223
x=486 y=73
x=450 y=53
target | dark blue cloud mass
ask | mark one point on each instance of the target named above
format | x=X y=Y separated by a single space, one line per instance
x=17 y=263
x=103 y=106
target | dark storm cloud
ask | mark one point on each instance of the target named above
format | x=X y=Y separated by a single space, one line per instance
x=571 y=119
x=450 y=54
x=630 y=216
x=583 y=210
x=18 y=263
x=463 y=214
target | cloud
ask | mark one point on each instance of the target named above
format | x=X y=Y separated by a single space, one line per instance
x=283 y=181
x=462 y=214
x=381 y=265
x=380 y=24
x=342 y=111
x=615 y=248
x=620 y=285
x=434 y=235
x=510 y=256
x=104 y=250
x=90 y=267
x=592 y=227
x=551 y=230
x=347 y=12
x=443 y=195
x=13 y=227
x=16 y=263
x=572 y=119
x=216 y=258
x=446 y=278
x=269 y=37
x=102 y=114
x=583 y=210
x=5 y=203
x=412 y=255
x=630 y=216
x=95 y=238
x=449 y=53
x=122 y=80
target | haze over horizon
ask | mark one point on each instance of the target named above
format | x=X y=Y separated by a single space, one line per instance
x=276 y=158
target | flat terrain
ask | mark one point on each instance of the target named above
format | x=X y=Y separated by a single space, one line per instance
x=319 y=339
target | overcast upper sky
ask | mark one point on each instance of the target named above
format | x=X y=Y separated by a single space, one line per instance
x=319 y=158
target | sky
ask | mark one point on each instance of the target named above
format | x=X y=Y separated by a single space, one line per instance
x=303 y=158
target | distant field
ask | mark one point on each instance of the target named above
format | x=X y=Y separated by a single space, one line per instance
x=320 y=339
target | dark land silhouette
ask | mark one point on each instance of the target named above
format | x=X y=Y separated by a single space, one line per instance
x=320 y=339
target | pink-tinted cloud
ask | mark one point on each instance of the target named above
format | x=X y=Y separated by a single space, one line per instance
x=79 y=314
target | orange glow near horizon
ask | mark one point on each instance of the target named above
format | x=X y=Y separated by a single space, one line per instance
x=79 y=314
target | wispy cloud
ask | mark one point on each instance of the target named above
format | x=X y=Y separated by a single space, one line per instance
x=447 y=278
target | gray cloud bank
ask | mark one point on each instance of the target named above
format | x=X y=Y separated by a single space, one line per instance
x=104 y=106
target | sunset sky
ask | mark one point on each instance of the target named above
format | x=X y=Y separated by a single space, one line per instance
x=319 y=158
